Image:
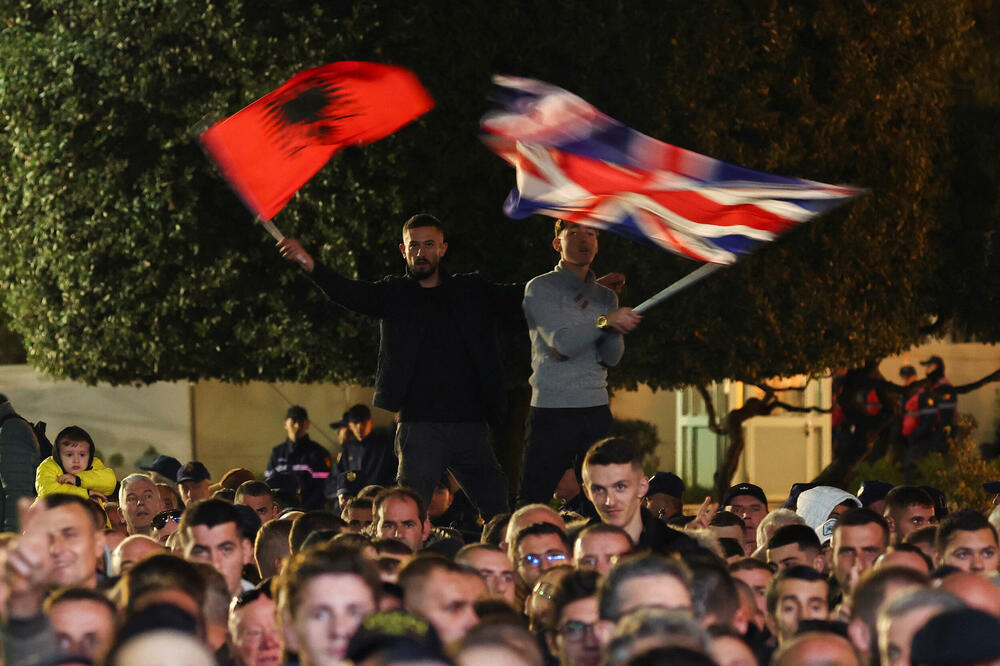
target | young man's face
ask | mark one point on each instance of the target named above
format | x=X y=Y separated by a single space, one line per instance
x=221 y=546
x=576 y=245
x=895 y=636
x=358 y=518
x=791 y=555
x=662 y=590
x=600 y=551
x=448 y=603
x=616 y=491
x=399 y=518
x=496 y=571
x=142 y=502
x=253 y=634
x=263 y=506
x=83 y=627
x=974 y=551
x=423 y=248
x=758 y=580
x=331 y=608
x=798 y=600
x=752 y=511
x=192 y=491
x=574 y=641
x=75 y=545
x=537 y=554
x=909 y=519
x=73 y=456
x=855 y=549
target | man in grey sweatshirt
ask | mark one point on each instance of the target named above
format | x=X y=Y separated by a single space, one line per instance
x=576 y=330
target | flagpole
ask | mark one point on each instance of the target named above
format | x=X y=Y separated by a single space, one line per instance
x=271 y=229
x=694 y=276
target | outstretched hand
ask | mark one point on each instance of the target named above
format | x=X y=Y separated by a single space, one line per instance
x=292 y=250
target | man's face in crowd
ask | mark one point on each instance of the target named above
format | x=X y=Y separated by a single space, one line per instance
x=616 y=491
x=576 y=245
x=221 y=546
x=758 y=580
x=798 y=600
x=574 y=641
x=331 y=608
x=167 y=498
x=496 y=571
x=752 y=511
x=75 y=545
x=855 y=549
x=895 y=636
x=360 y=429
x=253 y=634
x=141 y=503
x=263 y=506
x=423 y=248
x=358 y=519
x=295 y=429
x=83 y=627
x=440 y=501
x=448 y=603
x=972 y=551
x=909 y=519
x=791 y=555
x=661 y=590
x=399 y=518
x=544 y=552
x=192 y=491
x=600 y=551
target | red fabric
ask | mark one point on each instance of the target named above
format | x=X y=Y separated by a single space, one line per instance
x=271 y=148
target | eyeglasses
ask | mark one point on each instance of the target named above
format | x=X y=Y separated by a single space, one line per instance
x=552 y=556
x=160 y=519
x=575 y=631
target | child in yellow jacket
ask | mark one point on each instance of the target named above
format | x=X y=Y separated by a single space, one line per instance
x=73 y=468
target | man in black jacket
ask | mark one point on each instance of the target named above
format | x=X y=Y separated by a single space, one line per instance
x=299 y=465
x=439 y=362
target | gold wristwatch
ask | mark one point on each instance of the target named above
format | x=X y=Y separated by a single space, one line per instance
x=602 y=323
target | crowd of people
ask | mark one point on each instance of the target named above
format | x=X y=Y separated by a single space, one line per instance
x=404 y=549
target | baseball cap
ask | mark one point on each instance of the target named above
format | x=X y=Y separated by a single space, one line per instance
x=933 y=360
x=667 y=483
x=297 y=413
x=825 y=531
x=168 y=466
x=193 y=471
x=356 y=414
x=816 y=503
x=907 y=371
x=963 y=636
x=236 y=477
x=794 y=492
x=744 y=489
x=873 y=491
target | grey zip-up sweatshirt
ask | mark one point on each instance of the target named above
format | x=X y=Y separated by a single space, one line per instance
x=569 y=354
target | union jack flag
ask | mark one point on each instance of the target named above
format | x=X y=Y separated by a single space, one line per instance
x=575 y=163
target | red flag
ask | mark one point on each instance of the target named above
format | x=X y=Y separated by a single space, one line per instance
x=271 y=148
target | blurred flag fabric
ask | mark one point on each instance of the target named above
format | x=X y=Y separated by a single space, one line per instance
x=272 y=147
x=575 y=163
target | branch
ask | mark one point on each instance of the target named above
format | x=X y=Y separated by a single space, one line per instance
x=968 y=388
x=713 y=419
x=793 y=408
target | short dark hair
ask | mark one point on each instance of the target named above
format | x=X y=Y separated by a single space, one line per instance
x=966 y=520
x=725 y=518
x=392 y=546
x=539 y=529
x=253 y=489
x=800 y=572
x=801 y=535
x=208 y=512
x=609 y=600
x=309 y=522
x=712 y=590
x=271 y=542
x=423 y=220
x=860 y=516
x=926 y=534
x=495 y=530
x=419 y=568
x=162 y=572
x=319 y=561
x=869 y=593
x=751 y=564
x=96 y=513
x=360 y=503
x=73 y=433
x=576 y=585
x=901 y=497
x=81 y=594
x=400 y=492
x=613 y=451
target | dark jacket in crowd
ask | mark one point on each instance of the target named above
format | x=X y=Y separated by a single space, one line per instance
x=372 y=461
x=477 y=305
x=19 y=457
x=302 y=466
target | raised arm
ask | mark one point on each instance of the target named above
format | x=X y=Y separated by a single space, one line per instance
x=357 y=295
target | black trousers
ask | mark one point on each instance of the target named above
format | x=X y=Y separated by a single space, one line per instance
x=425 y=450
x=555 y=440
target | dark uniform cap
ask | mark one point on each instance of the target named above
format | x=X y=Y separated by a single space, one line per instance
x=165 y=465
x=667 y=483
x=193 y=471
x=297 y=413
x=356 y=414
x=744 y=489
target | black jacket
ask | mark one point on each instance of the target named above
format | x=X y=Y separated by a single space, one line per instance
x=477 y=306
x=302 y=467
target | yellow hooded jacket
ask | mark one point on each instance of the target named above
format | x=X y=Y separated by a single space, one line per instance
x=97 y=477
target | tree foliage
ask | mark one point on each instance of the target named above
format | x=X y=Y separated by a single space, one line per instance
x=126 y=258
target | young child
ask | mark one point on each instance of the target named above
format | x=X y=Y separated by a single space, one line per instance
x=73 y=468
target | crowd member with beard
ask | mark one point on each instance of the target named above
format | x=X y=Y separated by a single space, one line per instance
x=443 y=407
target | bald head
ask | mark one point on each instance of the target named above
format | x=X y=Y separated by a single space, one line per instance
x=131 y=550
x=975 y=590
x=529 y=515
x=816 y=649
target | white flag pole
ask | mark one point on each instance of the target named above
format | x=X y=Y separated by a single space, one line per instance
x=694 y=276
x=271 y=229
